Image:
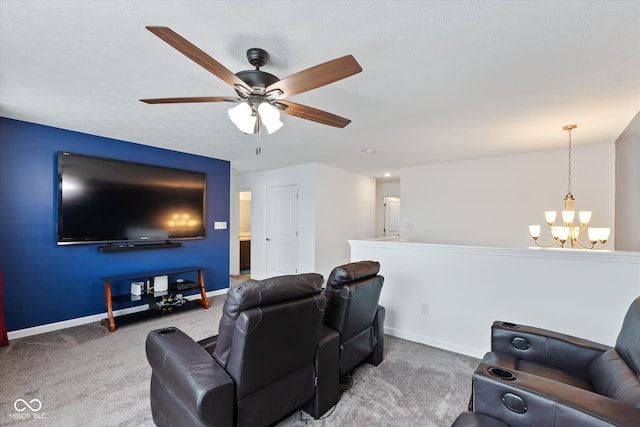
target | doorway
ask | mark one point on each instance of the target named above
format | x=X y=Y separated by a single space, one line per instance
x=282 y=231
x=391 y=216
x=244 y=231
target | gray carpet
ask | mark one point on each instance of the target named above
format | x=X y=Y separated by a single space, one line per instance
x=86 y=376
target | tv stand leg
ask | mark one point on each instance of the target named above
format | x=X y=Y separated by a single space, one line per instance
x=110 y=321
x=204 y=301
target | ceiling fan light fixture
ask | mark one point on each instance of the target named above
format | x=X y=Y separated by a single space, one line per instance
x=243 y=117
x=270 y=117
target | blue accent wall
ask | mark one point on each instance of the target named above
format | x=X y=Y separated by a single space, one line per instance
x=45 y=283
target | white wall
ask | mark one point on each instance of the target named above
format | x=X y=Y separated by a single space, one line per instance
x=628 y=188
x=491 y=202
x=582 y=293
x=333 y=206
x=384 y=189
x=345 y=210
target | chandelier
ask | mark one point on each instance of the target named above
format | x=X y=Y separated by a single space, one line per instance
x=570 y=232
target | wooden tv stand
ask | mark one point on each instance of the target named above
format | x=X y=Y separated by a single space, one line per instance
x=148 y=296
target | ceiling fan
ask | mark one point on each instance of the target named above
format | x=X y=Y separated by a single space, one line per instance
x=260 y=94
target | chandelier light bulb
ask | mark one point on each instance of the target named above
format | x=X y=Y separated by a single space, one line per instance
x=550 y=216
x=585 y=217
x=563 y=233
x=567 y=217
x=599 y=234
x=534 y=230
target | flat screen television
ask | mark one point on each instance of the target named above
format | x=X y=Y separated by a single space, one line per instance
x=104 y=200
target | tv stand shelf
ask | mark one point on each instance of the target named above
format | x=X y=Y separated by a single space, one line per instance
x=150 y=297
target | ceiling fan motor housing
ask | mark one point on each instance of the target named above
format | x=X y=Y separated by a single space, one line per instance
x=257 y=78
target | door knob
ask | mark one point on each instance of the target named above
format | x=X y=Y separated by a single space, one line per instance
x=268 y=239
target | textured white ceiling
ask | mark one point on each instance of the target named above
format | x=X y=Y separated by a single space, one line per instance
x=441 y=80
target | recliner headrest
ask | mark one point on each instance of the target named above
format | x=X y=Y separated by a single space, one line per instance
x=255 y=293
x=354 y=271
x=628 y=343
x=259 y=293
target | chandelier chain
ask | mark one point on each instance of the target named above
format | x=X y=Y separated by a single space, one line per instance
x=569 y=178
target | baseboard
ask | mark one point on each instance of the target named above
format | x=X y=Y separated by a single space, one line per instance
x=49 y=327
x=456 y=348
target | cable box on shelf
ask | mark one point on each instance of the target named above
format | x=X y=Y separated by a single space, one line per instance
x=184 y=285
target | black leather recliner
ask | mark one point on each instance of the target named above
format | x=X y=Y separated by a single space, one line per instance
x=535 y=377
x=260 y=366
x=351 y=309
x=352 y=330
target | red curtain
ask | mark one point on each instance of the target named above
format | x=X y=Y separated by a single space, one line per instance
x=4 y=339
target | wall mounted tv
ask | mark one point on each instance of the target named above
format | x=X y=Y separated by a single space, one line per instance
x=109 y=201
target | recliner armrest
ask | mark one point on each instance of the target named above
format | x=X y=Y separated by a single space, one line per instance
x=189 y=376
x=544 y=401
x=567 y=352
x=327 y=370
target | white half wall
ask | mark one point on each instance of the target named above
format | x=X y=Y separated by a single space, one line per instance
x=466 y=288
x=491 y=202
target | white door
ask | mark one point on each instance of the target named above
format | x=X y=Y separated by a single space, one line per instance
x=391 y=216
x=282 y=231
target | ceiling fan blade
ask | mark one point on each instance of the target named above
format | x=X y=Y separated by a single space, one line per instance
x=313 y=114
x=195 y=54
x=319 y=75
x=191 y=99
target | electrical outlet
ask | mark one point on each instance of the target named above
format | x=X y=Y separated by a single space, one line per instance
x=424 y=309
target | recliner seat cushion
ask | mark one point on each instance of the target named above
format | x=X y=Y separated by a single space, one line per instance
x=613 y=378
x=253 y=293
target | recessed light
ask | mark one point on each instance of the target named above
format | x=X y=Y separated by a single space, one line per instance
x=368 y=150
x=387 y=174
